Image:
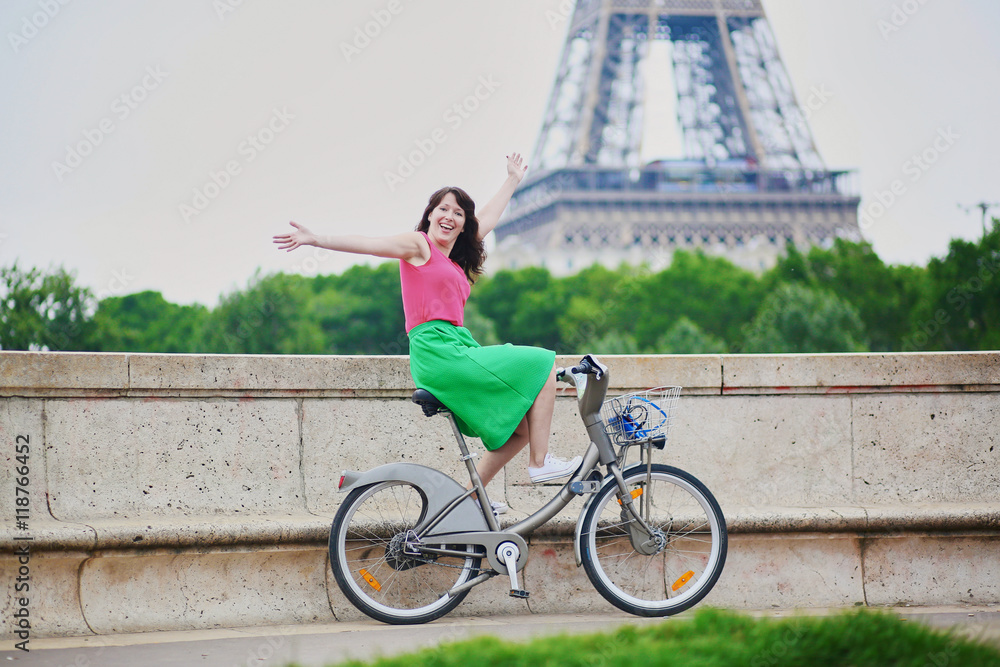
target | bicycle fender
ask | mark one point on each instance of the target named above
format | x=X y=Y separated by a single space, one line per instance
x=438 y=488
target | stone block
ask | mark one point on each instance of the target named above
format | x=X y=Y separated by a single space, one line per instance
x=492 y=598
x=138 y=458
x=252 y=374
x=22 y=426
x=915 y=517
x=765 y=450
x=796 y=519
x=200 y=531
x=363 y=433
x=53 y=597
x=790 y=571
x=556 y=584
x=47 y=534
x=823 y=373
x=697 y=373
x=186 y=591
x=942 y=569
x=59 y=373
x=926 y=448
x=22 y=434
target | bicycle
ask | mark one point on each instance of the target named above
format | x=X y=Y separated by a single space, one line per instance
x=408 y=543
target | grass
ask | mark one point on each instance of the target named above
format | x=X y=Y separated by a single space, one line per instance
x=714 y=638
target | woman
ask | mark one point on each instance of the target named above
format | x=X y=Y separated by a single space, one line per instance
x=503 y=394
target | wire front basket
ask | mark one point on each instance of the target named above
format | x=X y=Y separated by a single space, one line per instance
x=635 y=417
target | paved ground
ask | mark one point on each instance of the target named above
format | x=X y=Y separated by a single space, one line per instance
x=318 y=645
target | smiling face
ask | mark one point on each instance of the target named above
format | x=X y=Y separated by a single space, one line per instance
x=447 y=220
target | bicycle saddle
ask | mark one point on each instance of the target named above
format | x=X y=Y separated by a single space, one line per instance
x=430 y=405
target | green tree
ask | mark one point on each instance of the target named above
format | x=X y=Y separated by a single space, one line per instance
x=795 y=318
x=146 y=322
x=272 y=316
x=43 y=311
x=597 y=305
x=524 y=305
x=611 y=342
x=686 y=337
x=361 y=311
x=885 y=296
x=482 y=328
x=962 y=308
x=712 y=292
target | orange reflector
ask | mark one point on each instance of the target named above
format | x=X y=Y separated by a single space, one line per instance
x=683 y=580
x=366 y=575
x=635 y=494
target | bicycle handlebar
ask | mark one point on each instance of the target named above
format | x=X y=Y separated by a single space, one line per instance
x=566 y=374
x=589 y=365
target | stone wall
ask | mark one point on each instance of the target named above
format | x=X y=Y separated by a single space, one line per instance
x=190 y=491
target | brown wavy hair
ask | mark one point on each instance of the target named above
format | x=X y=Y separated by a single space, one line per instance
x=468 y=252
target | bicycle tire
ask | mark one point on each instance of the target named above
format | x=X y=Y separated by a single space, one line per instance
x=688 y=561
x=370 y=570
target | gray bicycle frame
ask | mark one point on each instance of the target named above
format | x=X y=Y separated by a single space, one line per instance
x=447 y=507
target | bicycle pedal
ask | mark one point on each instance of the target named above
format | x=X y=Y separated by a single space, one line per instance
x=517 y=593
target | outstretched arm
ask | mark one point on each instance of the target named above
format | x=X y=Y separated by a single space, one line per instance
x=489 y=215
x=408 y=245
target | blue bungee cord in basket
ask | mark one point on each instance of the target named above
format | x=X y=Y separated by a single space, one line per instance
x=634 y=417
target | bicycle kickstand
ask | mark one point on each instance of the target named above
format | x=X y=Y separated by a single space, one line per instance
x=508 y=554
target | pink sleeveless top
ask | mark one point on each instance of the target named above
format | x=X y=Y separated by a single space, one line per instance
x=436 y=290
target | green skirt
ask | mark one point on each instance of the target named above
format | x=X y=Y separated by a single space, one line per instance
x=488 y=389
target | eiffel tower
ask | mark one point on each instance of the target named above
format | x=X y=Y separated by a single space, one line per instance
x=672 y=124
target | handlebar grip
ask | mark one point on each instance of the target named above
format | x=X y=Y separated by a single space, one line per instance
x=584 y=367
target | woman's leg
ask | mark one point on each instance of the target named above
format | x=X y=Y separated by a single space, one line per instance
x=533 y=430
x=493 y=461
x=540 y=421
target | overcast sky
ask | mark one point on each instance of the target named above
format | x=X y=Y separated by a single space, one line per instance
x=161 y=144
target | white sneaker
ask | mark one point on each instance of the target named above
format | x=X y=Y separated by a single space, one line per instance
x=554 y=468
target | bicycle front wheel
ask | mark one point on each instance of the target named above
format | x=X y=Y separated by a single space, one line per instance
x=665 y=572
x=374 y=562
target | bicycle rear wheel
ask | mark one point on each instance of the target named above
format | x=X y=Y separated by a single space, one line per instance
x=666 y=572
x=376 y=570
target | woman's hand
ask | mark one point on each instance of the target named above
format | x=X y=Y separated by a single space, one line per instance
x=292 y=240
x=515 y=168
x=489 y=215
